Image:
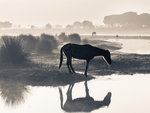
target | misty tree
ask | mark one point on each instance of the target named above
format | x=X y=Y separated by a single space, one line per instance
x=128 y=20
x=69 y=26
x=87 y=24
x=144 y=20
x=33 y=27
x=48 y=26
x=77 y=25
x=58 y=27
x=5 y=24
x=82 y=25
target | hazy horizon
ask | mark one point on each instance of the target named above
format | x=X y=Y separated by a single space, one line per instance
x=37 y=12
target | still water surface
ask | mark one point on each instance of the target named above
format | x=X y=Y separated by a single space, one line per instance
x=129 y=94
x=139 y=46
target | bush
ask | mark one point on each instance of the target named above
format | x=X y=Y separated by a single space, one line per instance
x=85 y=41
x=74 y=38
x=11 y=51
x=63 y=37
x=46 y=44
x=28 y=42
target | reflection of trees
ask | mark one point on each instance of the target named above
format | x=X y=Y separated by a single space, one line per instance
x=82 y=104
x=13 y=93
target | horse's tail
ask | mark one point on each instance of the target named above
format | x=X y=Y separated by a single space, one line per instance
x=61 y=98
x=61 y=57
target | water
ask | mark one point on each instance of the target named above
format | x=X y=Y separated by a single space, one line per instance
x=140 y=46
x=129 y=93
x=127 y=96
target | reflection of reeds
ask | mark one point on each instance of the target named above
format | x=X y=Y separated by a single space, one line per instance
x=11 y=51
x=13 y=93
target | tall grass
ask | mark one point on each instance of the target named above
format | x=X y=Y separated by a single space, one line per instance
x=28 y=42
x=14 y=49
x=46 y=44
x=11 y=51
x=43 y=44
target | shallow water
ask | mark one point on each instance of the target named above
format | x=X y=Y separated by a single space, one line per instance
x=139 y=46
x=129 y=93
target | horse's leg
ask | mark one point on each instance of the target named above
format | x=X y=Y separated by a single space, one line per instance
x=68 y=64
x=71 y=66
x=87 y=64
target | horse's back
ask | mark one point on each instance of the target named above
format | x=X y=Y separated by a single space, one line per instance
x=79 y=51
x=77 y=46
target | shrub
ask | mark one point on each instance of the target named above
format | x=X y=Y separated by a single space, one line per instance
x=85 y=41
x=46 y=44
x=63 y=37
x=74 y=38
x=28 y=42
x=11 y=51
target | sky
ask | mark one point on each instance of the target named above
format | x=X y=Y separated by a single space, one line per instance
x=63 y=12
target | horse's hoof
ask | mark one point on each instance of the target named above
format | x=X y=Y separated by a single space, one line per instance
x=70 y=73
x=85 y=75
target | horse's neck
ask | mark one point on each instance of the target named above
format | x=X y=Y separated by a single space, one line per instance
x=99 y=52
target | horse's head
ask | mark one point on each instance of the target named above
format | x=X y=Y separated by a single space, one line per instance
x=107 y=57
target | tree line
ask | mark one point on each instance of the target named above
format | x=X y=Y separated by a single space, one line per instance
x=128 y=20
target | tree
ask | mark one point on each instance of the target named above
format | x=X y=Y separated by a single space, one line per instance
x=48 y=26
x=87 y=24
x=128 y=19
x=5 y=24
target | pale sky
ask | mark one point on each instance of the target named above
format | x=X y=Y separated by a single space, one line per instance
x=41 y=12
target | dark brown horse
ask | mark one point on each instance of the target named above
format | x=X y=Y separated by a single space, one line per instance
x=85 y=52
x=93 y=33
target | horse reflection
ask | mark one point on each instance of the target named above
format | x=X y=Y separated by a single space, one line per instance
x=83 y=104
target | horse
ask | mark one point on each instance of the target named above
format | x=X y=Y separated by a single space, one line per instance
x=93 y=33
x=82 y=104
x=85 y=52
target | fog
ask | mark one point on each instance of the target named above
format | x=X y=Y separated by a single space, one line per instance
x=39 y=12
